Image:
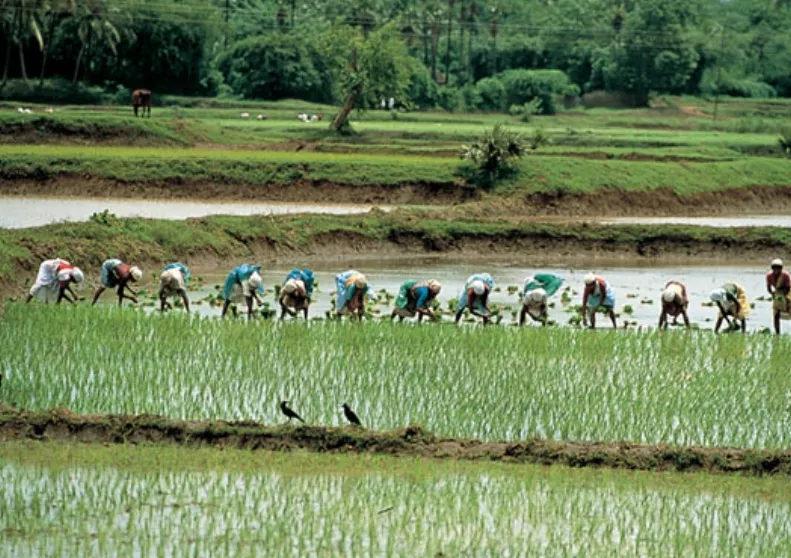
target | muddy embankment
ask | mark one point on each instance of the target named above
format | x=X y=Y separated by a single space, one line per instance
x=300 y=191
x=413 y=441
x=604 y=202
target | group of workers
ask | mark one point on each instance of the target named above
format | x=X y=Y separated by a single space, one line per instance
x=244 y=285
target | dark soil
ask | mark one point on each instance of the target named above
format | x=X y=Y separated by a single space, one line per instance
x=301 y=191
x=62 y=425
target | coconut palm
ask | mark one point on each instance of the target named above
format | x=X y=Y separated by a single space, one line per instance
x=20 y=22
x=94 y=26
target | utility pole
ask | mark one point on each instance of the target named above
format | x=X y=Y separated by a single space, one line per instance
x=719 y=73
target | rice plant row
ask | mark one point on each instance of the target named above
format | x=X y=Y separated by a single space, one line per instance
x=680 y=387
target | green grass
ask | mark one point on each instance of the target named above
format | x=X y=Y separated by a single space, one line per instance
x=539 y=173
x=70 y=500
x=683 y=388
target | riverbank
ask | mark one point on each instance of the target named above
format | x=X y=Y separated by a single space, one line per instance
x=223 y=240
x=546 y=185
x=63 y=426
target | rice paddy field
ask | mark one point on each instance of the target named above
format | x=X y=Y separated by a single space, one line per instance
x=681 y=388
x=678 y=390
x=80 y=500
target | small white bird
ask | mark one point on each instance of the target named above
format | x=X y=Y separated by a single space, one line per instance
x=260 y=117
x=20 y=110
x=28 y=111
x=314 y=118
x=245 y=115
x=49 y=110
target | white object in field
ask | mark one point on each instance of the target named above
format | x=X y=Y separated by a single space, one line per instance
x=245 y=115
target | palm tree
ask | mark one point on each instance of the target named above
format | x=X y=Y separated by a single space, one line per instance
x=20 y=22
x=94 y=24
x=51 y=14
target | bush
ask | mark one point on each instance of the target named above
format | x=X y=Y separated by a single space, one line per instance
x=423 y=91
x=449 y=98
x=494 y=157
x=785 y=142
x=275 y=66
x=736 y=87
x=522 y=86
x=56 y=92
x=492 y=96
x=528 y=110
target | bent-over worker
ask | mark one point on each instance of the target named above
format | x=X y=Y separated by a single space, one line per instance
x=597 y=294
x=173 y=282
x=475 y=297
x=296 y=293
x=116 y=273
x=535 y=294
x=674 y=303
x=53 y=282
x=416 y=298
x=243 y=284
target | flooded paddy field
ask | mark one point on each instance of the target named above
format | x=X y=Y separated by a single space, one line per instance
x=70 y=500
x=639 y=288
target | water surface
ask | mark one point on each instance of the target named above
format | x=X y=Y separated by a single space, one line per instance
x=22 y=212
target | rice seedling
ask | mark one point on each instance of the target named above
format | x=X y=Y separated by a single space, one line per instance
x=679 y=387
x=62 y=500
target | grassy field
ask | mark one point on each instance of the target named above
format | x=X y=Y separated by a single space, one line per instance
x=65 y=500
x=225 y=238
x=675 y=145
x=684 y=388
x=540 y=174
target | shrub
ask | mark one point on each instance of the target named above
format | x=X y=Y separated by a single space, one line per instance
x=423 y=91
x=449 y=98
x=785 y=142
x=524 y=85
x=526 y=111
x=56 y=91
x=275 y=66
x=736 y=87
x=494 y=156
x=492 y=96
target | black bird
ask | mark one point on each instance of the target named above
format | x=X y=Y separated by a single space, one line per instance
x=290 y=413
x=350 y=416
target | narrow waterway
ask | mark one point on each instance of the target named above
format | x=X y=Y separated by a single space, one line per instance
x=23 y=212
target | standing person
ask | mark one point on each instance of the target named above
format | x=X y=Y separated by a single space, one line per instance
x=352 y=288
x=674 y=303
x=243 y=284
x=535 y=293
x=116 y=273
x=475 y=297
x=597 y=293
x=296 y=293
x=172 y=282
x=778 y=285
x=416 y=298
x=732 y=301
x=53 y=282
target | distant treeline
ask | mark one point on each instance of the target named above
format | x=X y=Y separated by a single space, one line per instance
x=460 y=53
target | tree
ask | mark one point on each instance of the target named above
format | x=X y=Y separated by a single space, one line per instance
x=93 y=25
x=652 y=49
x=20 y=18
x=275 y=66
x=368 y=69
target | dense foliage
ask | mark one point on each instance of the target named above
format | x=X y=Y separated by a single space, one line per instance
x=484 y=55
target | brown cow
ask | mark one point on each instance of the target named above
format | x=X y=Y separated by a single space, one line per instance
x=142 y=98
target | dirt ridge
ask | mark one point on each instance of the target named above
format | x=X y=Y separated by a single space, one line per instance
x=603 y=202
x=414 y=441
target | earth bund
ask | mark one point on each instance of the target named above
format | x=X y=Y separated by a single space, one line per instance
x=60 y=425
x=602 y=202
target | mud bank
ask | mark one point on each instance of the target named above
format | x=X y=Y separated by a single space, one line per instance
x=300 y=191
x=614 y=202
x=604 y=202
x=62 y=425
